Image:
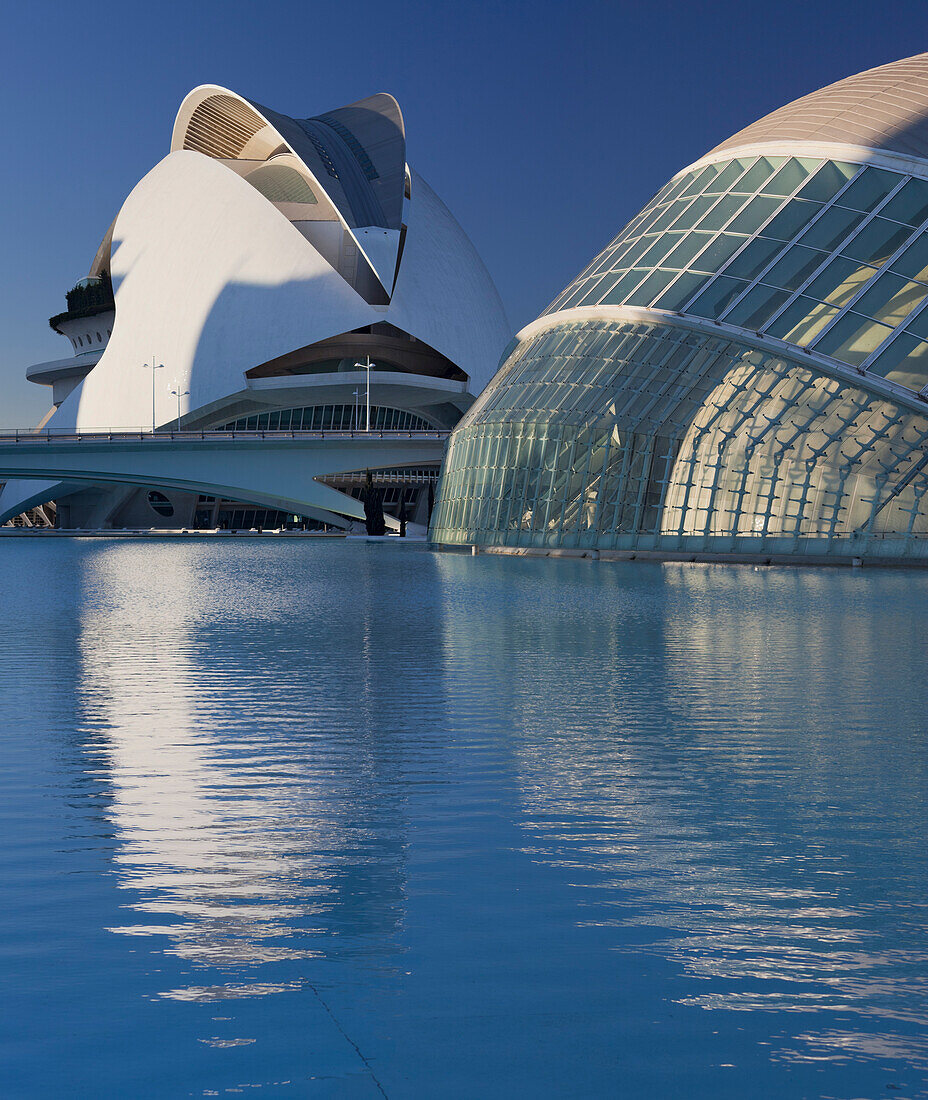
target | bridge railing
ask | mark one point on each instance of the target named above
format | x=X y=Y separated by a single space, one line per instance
x=209 y=435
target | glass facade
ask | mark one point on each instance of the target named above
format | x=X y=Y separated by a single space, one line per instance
x=339 y=418
x=617 y=435
x=827 y=255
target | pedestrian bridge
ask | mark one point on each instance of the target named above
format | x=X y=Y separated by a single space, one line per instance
x=276 y=469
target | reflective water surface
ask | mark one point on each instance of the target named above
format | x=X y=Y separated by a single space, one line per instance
x=302 y=819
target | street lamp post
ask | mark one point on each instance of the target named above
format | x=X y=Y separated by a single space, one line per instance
x=368 y=393
x=367 y=367
x=153 y=366
x=178 y=393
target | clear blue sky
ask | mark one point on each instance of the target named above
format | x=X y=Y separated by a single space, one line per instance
x=544 y=126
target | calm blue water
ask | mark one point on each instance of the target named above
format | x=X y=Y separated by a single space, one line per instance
x=301 y=819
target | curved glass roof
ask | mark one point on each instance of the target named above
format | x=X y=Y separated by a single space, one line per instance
x=830 y=256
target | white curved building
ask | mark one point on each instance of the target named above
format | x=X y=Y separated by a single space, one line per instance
x=743 y=370
x=261 y=265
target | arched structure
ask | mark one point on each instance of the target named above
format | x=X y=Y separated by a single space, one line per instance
x=743 y=369
x=270 y=264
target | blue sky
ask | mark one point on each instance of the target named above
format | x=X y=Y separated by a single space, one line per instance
x=544 y=126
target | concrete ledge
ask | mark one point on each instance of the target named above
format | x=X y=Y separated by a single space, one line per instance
x=160 y=533
x=705 y=558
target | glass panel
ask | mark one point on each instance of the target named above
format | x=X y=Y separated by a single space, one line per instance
x=762 y=169
x=794 y=267
x=623 y=286
x=724 y=209
x=891 y=299
x=680 y=292
x=680 y=185
x=828 y=181
x=909 y=204
x=661 y=246
x=723 y=247
x=839 y=282
x=877 y=241
x=853 y=339
x=650 y=288
x=831 y=228
x=802 y=321
x=686 y=250
x=791 y=219
x=702 y=180
x=872 y=185
x=905 y=361
x=694 y=212
x=914 y=261
x=756 y=307
x=716 y=297
x=725 y=178
x=753 y=259
x=667 y=215
x=787 y=179
x=919 y=325
x=757 y=211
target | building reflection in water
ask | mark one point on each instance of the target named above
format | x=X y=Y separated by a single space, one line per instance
x=256 y=822
x=695 y=748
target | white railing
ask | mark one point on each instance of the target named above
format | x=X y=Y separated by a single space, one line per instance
x=209 y=435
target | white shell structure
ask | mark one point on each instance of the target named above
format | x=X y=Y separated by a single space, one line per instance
x=261 y=265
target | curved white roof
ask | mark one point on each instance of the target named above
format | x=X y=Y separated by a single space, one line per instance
x=885 y=108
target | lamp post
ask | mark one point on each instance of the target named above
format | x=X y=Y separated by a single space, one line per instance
x=153 y=367
x=367 y=367
x=178 y=393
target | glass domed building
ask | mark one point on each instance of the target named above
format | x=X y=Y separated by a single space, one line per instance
x=743 y=370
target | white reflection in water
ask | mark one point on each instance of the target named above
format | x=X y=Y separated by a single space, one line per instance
x=237 y=831
x=734 y=782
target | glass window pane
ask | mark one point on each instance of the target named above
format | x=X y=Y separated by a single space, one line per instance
x=831 y=228
x=877 y=241
x=756 y=307
x=853 y=339
x=623 y=286
x=791 y=219
x=909 y=205
x=725 y=178
x=702 y=179
x=694 y=212
x=755 y=256
x=670 y=213
x=828 y=181
x=872 y=185
x=679 y=185
x=716 y=297
x=789 y=177
x=661 y=246
x=839 y=282
x=679 y=293
x=802 y=321
x=762 y=169
x=724 y=209
x=686 y=250
x=914 y=261
x=891 y=299
x=724 y=246
x=794 y=267
x=919 y=325
x=650 y=288
x=905 y=361
x=752 y=217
